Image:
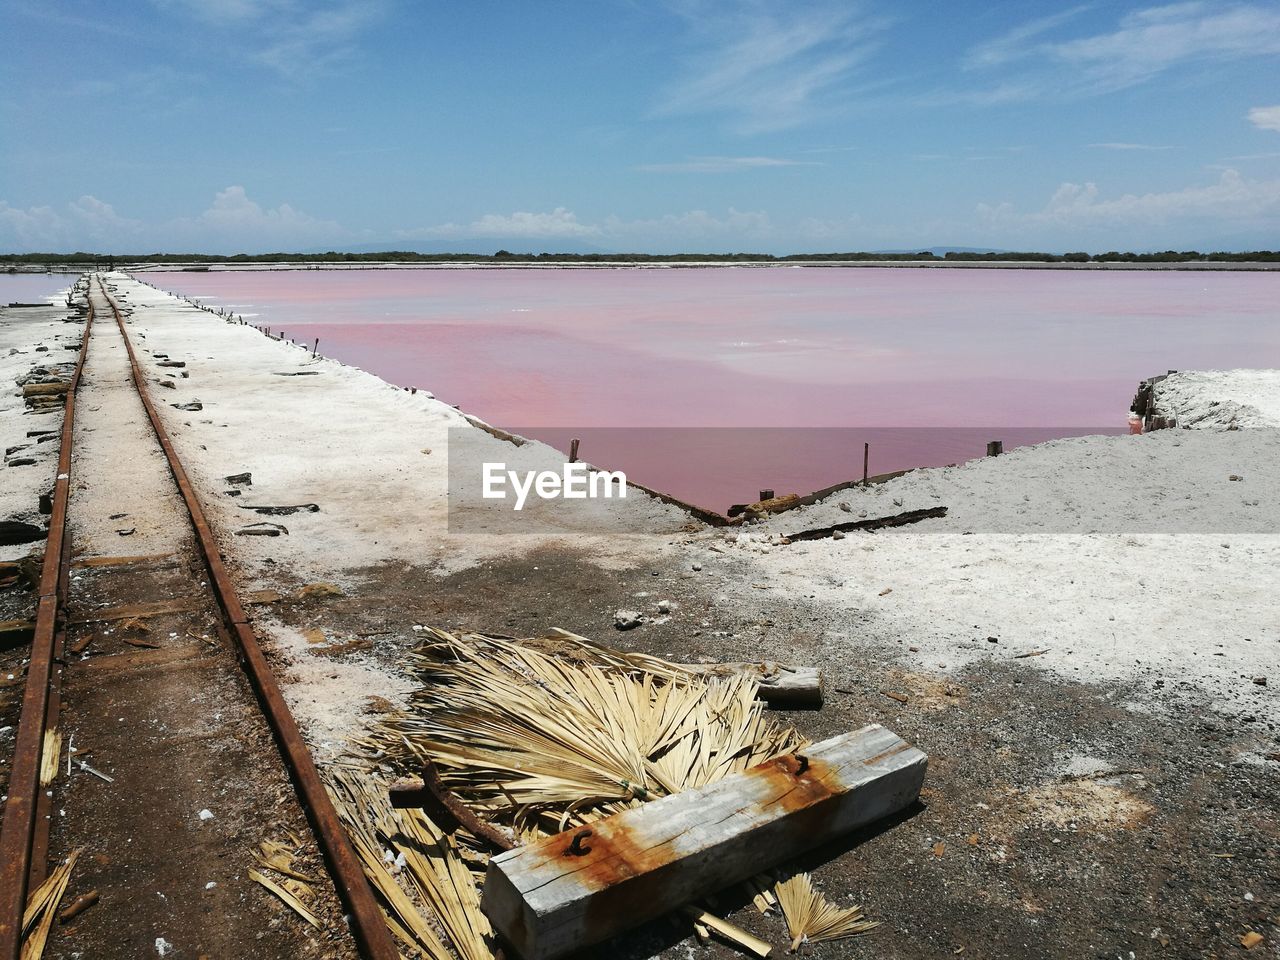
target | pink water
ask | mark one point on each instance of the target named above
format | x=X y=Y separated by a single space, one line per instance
x=33 y=287
x=1017 y=355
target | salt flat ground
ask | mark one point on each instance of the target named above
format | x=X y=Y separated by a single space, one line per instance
x=1113 y=794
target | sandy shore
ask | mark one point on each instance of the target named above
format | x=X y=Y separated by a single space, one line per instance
x=1098 y=777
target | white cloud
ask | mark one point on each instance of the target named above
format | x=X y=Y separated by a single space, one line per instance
x=769 y=66
x=691 y=230
x=559 y=223
x=672 y=231
x=30 y=229
x=1232 y=203
x=1265 y=118
x=723 y=164
x=1142 y=46
x=1129 y=146
x=84 y=224
x=234 y=221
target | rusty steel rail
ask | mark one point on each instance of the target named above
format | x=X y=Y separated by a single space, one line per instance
x=24 y=834
x=368 y=925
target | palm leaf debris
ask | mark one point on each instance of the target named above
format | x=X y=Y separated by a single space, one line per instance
x=536 y=736
x=812 y=918
x=544 y=740
x=294 y=888
x=42 y=905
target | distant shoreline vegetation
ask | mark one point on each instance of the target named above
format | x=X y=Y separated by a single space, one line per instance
x=14 y=260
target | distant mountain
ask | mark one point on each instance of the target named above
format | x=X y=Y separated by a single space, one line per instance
x=486 y=246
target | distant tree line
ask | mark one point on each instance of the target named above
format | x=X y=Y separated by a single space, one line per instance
x=14 y=260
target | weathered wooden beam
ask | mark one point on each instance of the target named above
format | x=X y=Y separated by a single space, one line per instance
x=587 y=884
x=875 y=523
x=150 y=609
x=781 y=685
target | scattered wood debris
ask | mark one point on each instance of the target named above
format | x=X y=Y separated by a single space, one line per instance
x=42 y=906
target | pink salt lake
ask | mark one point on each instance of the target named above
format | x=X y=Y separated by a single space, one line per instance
x=925 y=364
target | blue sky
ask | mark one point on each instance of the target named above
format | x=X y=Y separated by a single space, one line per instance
x=233 y=125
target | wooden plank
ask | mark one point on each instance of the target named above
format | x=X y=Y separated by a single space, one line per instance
x=875 y=523
x=15 y=633
x=585 y=885
x=146 y=558
x=153 y=609
x=781 y=685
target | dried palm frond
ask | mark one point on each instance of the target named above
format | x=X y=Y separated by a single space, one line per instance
x=278 y=855
x=544 y=739
x=42 y=904
x=295 y=889
x=813 y=918
x=430 y=862
x=291 y=897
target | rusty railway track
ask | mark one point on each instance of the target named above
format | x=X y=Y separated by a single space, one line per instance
x=24 y=835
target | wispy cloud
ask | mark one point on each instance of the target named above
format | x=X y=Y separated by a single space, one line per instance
x=1130 y=146
x=724 y=164
x=293 y=38
x=1142 y=46
x=1016 y=44
x=1265 y=118
x=769 y=66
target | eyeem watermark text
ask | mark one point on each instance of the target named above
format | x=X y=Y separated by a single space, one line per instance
x=574 y=481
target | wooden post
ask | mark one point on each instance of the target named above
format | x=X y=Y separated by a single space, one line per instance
x=995 y=448
x=866 y=460
x=766 y=494
x=573 y=450
x=590 y=883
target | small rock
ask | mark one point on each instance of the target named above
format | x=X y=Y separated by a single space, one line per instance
x=837 y=535
x=914 y=649
x=697 y=566
x=627 y=619
x=206 y=814
x=845 y=507
x=993 y=639
x=664 y=606
x=1235 y=477
x=1260 y=681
